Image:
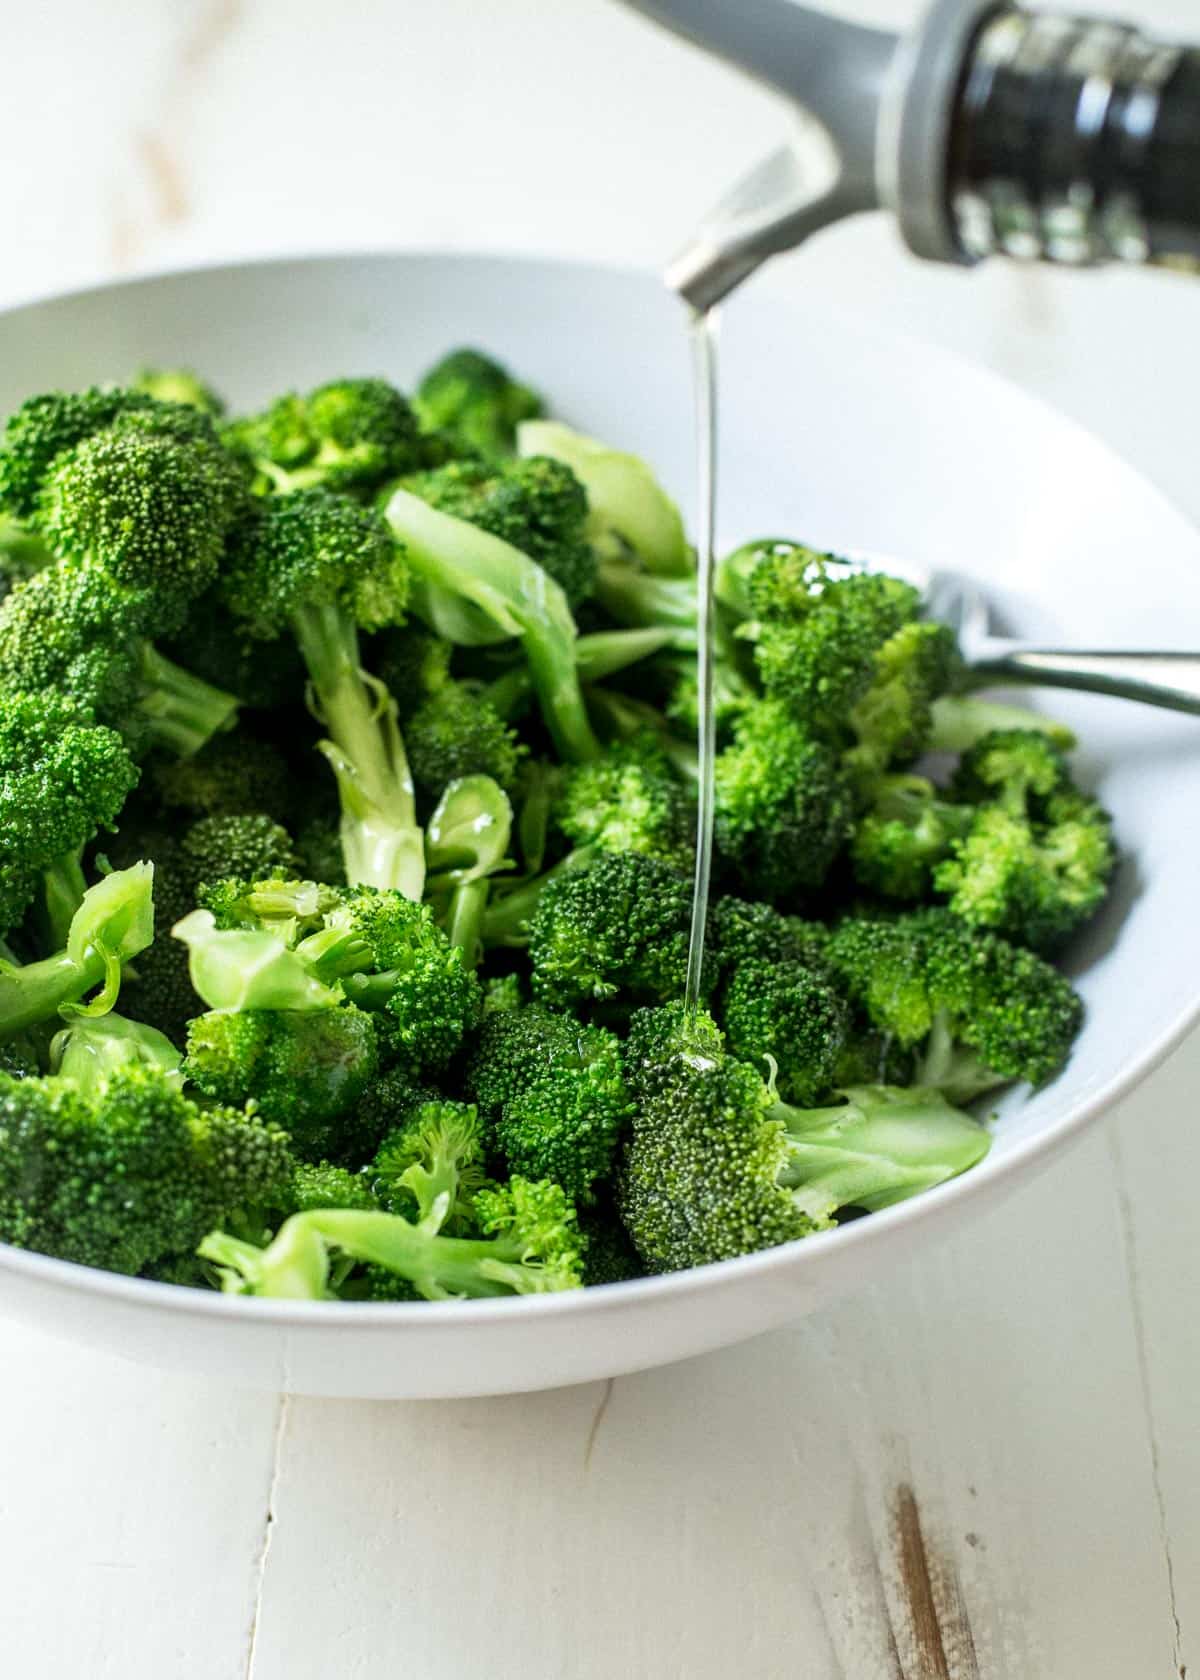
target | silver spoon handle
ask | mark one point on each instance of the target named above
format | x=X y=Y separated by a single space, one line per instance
x=1171 y=680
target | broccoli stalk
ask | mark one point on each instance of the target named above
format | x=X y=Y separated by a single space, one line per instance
x=466 y=844
x=515 y=594
x=114 y=921
x=531 y=1246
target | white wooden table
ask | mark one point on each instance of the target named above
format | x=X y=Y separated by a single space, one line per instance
x=987 y=1465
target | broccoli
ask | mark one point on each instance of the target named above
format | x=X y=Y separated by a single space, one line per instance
x=179 y=385
x=22 y=554
x=126 y=1171
x=62 y=777
x=320 y=565
x=906 y=832
x=530 y=1245
x=552 y=1094
x=72 y=628
x=455 y=733
x=306 y=1069
x=608 y=1254
x=114 y=922
x=466 y=844
x=215 y=647
x=431 y=1168
x=785 y=1011
x=1035 y=861
x=296 y=945
x=983 y=1012
x=250 y=845
x=715 y=1165
x=476 y=403
x=90 y=1049
x=234 y=775
x=455 y=559
x=629 y=800
x=351 y=434
x=628 y=510
x=783 y=804
x=618 y=929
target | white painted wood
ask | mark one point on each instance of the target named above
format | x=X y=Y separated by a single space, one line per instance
x=132 y=1517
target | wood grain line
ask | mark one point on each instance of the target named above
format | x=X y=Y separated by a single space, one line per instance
x=919 y=1570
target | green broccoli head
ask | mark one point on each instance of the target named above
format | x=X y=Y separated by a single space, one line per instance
x=629 y=800
x=616 y=930
x=786 y=1012
x=907 y=830
x=310 y=549
x=234 y=775
x=128 y=1172
x=46 y=426
x=413 y=663
x=306 y=1069
x=351 y=434
x=552 y=1093
x=746 y=930
x=74 y=629
x=928 y=979
x=62 y=777
x=150 y=510
x=431 y=1167
x=892 y=720
x=784 y=805
x=534 y=504
x=456 y=733
x=180 y=386
x=248 y=845
x=475 y=402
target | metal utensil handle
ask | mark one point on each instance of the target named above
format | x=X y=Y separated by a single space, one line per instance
x=1170 y=680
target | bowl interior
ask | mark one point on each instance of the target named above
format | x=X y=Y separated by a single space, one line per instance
x=827 y=432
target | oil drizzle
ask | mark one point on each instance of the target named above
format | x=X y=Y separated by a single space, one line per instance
x=704 y=365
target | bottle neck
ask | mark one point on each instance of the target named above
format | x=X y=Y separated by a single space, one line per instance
x=1076 y=142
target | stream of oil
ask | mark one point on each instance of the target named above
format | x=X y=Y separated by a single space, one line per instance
x=704 y=377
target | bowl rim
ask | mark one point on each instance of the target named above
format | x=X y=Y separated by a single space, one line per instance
x=858 y=1236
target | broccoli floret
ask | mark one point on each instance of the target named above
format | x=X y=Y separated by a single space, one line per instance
x=62 y=777
x=608 y=1254
x=127 y=1171
x=320 y=565
x=629 y=800
x=501 y=994
x=306 y=1069
x=322 y=1184
x=234 y=775
x=413 y=662
x=179 y=385
x=628 y=510
x=745 y=930
x=618 y=930
x=475 y=402
x=552 y=1093
x=455 y=733
x=906 y=832
x=1036 y=860
x=71 y=627
x=785 y=1011
x=530 y=1245
x=215 y=646
x=984 y=1012
x=716 y=1166
x=784 y=805
x=536 y=505
x=379 y=949
x=249 y=845
x=475 y=586
x=351 y=434
x=892 y=721
x=431 y=1168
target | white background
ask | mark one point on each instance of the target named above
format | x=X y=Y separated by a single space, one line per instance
x=1026 y=1394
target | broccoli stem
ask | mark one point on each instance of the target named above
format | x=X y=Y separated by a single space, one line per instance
x=959 y=721
x=464 y=916
x=638 y=599
x=597 y=656
x=382 y=843
x=184 y=711
x=517 y=594
x=506 y=920
x=296 y=1266
x=63 y=887
x=882 y=1145
x=36 y=991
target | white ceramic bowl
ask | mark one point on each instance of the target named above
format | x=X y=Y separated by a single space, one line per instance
x=829 y=432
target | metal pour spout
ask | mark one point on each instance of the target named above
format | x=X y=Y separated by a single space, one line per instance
x=873 y=111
